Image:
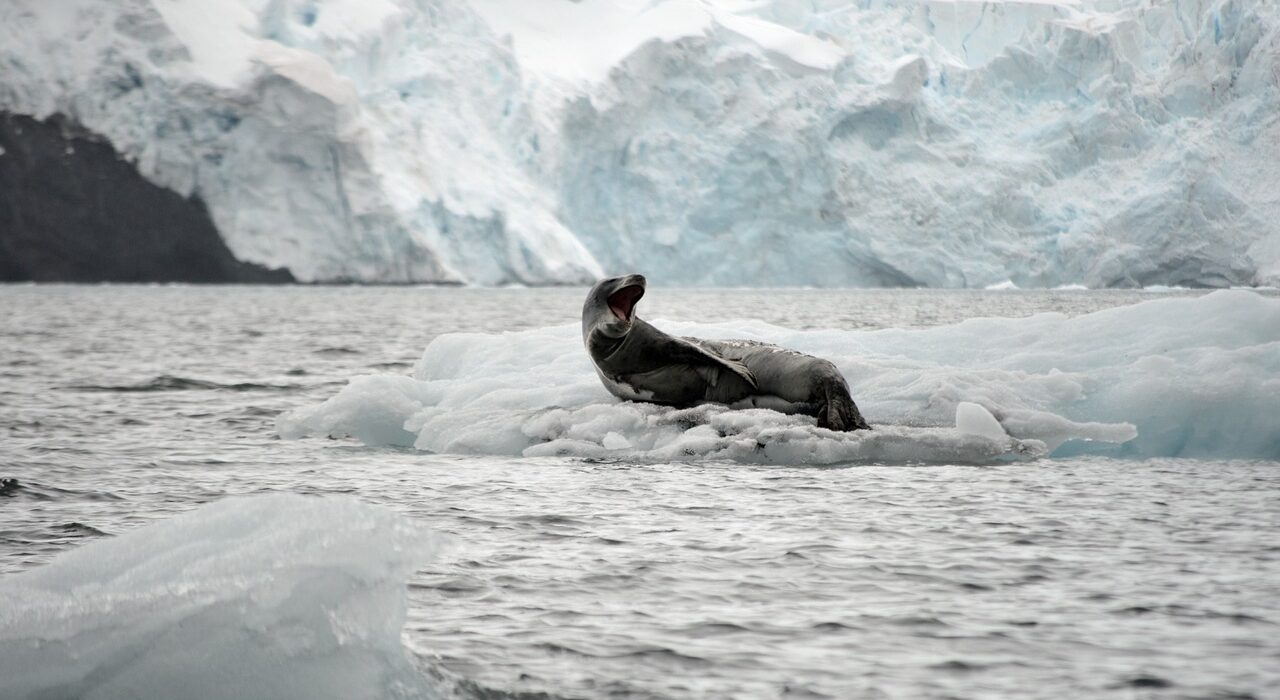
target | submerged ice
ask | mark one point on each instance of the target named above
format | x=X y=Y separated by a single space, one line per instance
x=887 y=142
x=1169 y=377
x=278 y=596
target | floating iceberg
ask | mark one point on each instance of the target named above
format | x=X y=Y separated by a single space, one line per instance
x=1037 y=143
x=278 y=596
x=1169 y=377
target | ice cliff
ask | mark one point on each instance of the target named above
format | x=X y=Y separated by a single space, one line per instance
x=347 y=139
x=815 y=142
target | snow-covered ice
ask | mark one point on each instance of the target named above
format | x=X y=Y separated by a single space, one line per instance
x=279 y=596
x=1037 y=143
x=1195 y=377
x=973 y=419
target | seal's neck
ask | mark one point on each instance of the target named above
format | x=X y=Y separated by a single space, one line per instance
x=601 y=345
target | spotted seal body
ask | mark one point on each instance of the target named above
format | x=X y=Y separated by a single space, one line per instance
x=638 y=362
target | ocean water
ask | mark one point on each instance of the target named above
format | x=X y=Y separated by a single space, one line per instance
x=575 y=578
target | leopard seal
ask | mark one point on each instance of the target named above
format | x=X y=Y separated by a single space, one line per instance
x=638 y=362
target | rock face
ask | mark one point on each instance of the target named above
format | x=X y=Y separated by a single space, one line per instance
x=72 y=210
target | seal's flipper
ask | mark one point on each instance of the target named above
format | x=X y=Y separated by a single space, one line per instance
x=713 y=368
x=711 y=357
x=740 y=370
x=839 y=412
x=725 y=382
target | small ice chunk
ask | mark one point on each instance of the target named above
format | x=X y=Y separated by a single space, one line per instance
x=615 y=441
x=279 y=596
x=973 y=419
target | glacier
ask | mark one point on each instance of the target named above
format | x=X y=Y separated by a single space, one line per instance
x=942 y=143
x=1178 y=377
x=279 y=596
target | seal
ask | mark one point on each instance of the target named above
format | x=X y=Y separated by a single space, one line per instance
x=638 y=362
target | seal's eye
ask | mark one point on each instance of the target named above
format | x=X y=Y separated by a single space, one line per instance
x=623 y=301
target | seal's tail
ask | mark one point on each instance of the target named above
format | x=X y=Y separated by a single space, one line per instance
x=839 y=412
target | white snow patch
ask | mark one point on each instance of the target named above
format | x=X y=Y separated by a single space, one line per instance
x=801 y=48
x=218 y=36
x=308 y=71
x=580 y=42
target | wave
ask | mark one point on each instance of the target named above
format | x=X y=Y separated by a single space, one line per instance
x=1193 y=377
x=167 y=382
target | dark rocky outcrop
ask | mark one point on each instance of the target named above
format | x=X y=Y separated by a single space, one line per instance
x=73 y=210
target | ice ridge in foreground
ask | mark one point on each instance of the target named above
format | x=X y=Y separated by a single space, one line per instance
x=1169 y=377
x=279 y=596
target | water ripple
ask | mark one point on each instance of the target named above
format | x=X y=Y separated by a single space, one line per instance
x=608 y=578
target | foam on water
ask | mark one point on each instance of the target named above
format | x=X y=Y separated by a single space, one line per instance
x=280 y=596
x=1168 y=377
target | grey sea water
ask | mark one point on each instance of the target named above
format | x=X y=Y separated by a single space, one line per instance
x=122 y=405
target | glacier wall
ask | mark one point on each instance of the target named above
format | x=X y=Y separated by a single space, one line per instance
x=343 y=140
x=791 y=142
x=953 y=144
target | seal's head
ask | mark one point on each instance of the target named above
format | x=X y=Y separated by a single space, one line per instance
x=611 y=306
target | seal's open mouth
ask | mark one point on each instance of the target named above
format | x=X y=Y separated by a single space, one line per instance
x=623 y=301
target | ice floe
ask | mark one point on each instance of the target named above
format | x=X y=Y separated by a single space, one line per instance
x=1167 y=377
